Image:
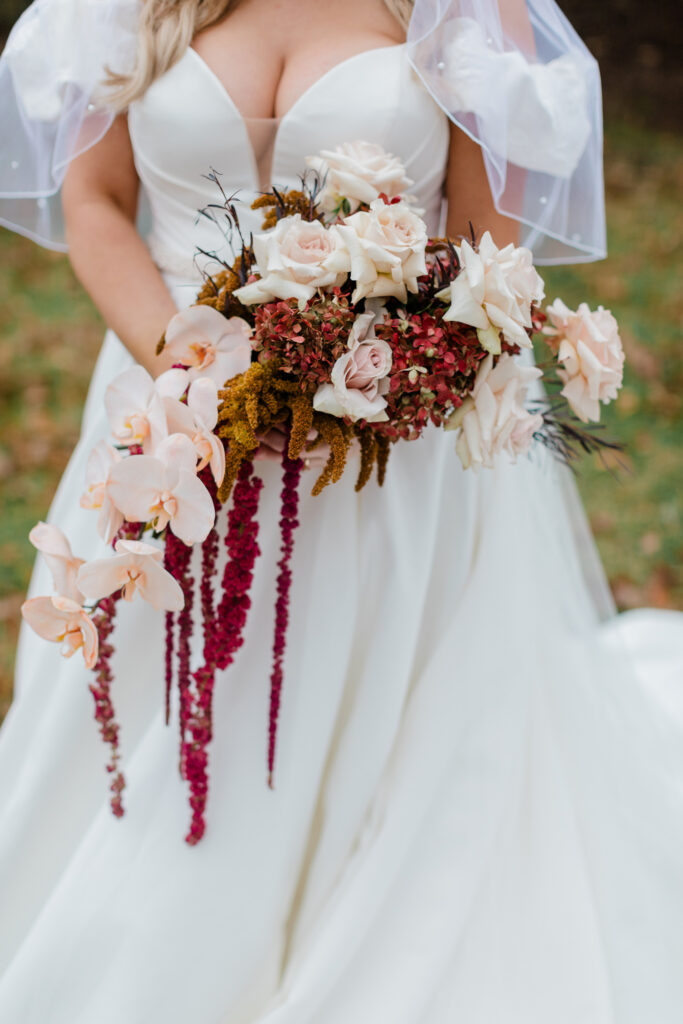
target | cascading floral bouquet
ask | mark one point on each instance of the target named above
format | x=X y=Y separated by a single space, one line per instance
x=341 y=327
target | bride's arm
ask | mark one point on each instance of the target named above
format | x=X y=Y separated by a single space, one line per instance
x=110 y=259
x=467 y=187
x=469 y=196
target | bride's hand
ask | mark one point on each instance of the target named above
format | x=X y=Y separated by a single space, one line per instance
x=273 y=444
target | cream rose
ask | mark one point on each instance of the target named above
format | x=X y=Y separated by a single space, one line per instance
x=386 y=245
x=293 y=260
x=360 y=378
x=357 y=172
x=590 y=351
x=492 y=419
x=494 y=292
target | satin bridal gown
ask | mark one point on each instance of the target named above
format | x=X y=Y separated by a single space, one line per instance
x=477 y=814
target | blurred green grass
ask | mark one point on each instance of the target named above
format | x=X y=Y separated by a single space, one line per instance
x=50 y=335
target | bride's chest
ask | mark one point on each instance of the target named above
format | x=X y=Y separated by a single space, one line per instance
x=187 y=124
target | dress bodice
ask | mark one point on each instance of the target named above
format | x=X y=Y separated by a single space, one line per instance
x=187 y=123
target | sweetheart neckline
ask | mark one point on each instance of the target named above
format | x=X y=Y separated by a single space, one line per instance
x=211 y=74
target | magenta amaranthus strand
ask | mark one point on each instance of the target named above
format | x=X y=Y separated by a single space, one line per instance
x=179 y=557
x=194 y=755
x=223 y=632
x=242 y=545
x=288 y=524
x=342 y=328
x=104 y=708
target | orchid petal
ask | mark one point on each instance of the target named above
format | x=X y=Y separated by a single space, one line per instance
x=101 y=459
x=110 y=520
x=139 y=548
x=134 y=485
x=46 y=619
x=178 y=417
x=197 y=327
x=130 y=396
x=132 y=386
x=217 y=459
x=103 y=576
x=56 y=550
x=195 y=511
x=176 y=452
x=56 y=618
x=202 y=401
x=172 y=383
x=158 y=430
x=160 y=589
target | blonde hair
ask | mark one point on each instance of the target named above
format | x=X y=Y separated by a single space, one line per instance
x=167 y=27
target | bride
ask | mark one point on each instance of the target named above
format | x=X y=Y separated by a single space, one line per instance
x=478 y=806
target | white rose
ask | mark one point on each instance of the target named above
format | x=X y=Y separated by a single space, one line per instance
x=294 y=259
x=591 y=354
x=357 y=172
x=360 y=378
x=386 y=245
x=494 y=292
x=492 y=418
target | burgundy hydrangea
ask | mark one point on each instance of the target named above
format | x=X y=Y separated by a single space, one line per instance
x=434 y=364
x=308 y=343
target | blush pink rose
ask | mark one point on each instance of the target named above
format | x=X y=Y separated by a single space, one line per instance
x=357 y=172
x=492 y=419
x=294 y=259
x=386 y=246
x=360 y=377
x=494 y=292
x=591 y=356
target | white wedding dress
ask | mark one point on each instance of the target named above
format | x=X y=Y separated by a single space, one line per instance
x=478 y=804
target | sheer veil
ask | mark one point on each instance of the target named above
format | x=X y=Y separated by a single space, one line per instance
x=517 y=78
x=514 y=75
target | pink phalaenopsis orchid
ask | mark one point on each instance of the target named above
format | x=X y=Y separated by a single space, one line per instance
x=135 y=568
x=63 y=621
x=197 y=420
x=135 y=410
x=96 y=495
x=209 y=344
x=63 y=565
x=163 y=490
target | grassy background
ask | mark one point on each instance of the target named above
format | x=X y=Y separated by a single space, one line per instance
x=50 y=335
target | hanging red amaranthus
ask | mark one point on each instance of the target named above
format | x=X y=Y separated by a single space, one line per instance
x=194 y=756
x=223 y=633
x=288 y=524
x=101 y=691
x=177 y=559
x=243 y=550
